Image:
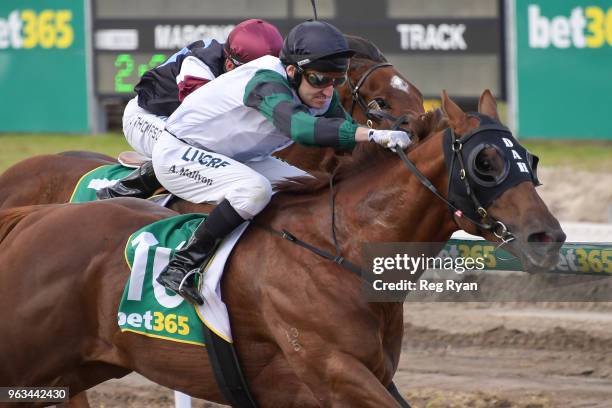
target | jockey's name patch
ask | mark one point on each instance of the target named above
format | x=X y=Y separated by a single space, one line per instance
x=192 y=174
x=207 y=159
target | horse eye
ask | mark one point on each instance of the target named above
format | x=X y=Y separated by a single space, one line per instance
x=489 y=162
x=382 y=104
x=378 y=104
x=484 y=165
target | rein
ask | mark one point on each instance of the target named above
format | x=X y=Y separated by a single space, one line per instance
x=337 y=258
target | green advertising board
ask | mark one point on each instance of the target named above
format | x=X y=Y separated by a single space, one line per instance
x=564 y=68
x=43 y=71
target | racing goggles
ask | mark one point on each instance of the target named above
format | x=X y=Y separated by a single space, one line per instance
x=319 y=80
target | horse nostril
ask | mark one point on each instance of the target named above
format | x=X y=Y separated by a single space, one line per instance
x=544 y=237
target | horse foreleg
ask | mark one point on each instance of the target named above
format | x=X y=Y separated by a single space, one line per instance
x=338 y=367
x=340 y=380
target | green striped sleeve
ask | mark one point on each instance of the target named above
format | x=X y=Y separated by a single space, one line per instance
x=270 y=93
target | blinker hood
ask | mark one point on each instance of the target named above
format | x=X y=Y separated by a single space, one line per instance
x=461 y=155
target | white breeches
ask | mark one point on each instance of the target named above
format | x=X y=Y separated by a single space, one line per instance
x=198 y=176
x=142 y=128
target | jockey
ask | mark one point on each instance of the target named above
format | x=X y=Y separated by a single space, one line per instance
x=216 y=146
x=161 y=90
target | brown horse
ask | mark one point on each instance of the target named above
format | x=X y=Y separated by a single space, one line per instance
x=51 y=178
x=59 y=297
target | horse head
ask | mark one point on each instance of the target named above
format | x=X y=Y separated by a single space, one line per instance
x=376 y=93
x=493 y=179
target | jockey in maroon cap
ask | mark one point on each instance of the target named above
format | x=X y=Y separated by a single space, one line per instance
x=161 y=90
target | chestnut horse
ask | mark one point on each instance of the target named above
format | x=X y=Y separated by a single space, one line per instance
x=369 y=95
x=59 y=297
x=50 y=179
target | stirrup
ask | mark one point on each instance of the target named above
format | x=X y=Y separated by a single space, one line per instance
x=196 y=271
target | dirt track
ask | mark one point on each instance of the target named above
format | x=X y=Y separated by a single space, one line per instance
x=576 y=195
x=501 y=355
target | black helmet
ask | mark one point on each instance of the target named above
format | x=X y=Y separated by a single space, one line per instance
x=316 y=45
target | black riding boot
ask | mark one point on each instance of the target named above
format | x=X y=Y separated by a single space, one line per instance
x=179 y=275
x=141 y=183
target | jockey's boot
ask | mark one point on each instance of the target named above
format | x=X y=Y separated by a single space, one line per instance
x=141 y=183
x=179 y=275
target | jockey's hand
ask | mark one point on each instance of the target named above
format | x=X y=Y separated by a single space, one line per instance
x=390 y=138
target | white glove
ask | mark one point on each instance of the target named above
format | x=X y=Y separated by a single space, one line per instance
x=390 y=138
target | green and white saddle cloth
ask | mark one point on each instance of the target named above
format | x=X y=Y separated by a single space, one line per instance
x=147 y=308
x=100 y=177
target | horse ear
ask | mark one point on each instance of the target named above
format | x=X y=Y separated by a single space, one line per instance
x=488 y=105
x=457 y=119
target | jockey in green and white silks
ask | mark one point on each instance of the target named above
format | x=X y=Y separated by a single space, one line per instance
x=230 y=138
x=217 y=144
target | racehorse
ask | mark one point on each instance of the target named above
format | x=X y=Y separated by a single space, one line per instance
x=304 y=333
x=372 y=93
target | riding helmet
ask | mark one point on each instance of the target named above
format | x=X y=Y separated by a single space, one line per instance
x=252 y=39
x=316 y=45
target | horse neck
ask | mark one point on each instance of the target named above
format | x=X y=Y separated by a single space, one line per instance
x=387 y=203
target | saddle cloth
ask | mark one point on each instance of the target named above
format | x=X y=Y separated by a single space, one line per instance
x=100 y=177
x=104 y=176
x=147 y=308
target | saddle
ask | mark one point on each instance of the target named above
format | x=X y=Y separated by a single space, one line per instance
x=132 y=159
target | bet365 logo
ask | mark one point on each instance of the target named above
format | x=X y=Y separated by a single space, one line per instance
x=589 y=27
x=30 y=28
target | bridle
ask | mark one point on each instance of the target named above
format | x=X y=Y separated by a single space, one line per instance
x=373 y=115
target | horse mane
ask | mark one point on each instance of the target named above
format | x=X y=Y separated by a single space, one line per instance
x=363 y=157
x=9 y=218
x=428 y=123
x=364 y=49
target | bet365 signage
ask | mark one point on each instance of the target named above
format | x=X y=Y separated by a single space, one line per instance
x=28 y=28
x=563 y=54
x=46 y=37
x=581 y=27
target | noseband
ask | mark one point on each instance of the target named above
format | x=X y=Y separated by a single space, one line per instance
x=373 y=115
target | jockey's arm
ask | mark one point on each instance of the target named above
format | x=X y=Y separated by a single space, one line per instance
x=193 y=74
x=336 y=110
x=271 y=95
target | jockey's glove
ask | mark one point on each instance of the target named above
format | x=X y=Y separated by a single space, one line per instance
x=390 y=139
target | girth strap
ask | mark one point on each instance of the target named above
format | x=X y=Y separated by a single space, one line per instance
x=226 y=368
